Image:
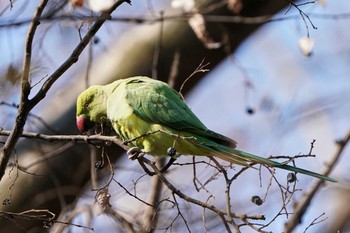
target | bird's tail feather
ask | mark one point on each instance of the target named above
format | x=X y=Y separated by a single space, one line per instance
x=243 y=158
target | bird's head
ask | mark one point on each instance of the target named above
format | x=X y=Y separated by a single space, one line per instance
x=91 y=108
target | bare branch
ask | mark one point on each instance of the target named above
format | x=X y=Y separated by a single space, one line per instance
x=180 y=213
x=131 y=194
x=150 y=216
x=102 y=199
x=304 y=203
x=200 y=69
x=195 y=201
x=73 y=58
x=46 y=216
x=38 y=118
x=316 y=221
x=303 y=15
x=212 y=18
x=27 y=105
x=70 y=138
x=23 y=108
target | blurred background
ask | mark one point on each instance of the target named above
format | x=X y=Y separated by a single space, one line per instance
x=276 y=78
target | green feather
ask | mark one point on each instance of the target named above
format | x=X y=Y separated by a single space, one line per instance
x=139 y=105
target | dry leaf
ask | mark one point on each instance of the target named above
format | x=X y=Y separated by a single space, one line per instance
x=102 y=201
x=12 y=74
x=198 y=25
x=77 y=3
x=235 y=6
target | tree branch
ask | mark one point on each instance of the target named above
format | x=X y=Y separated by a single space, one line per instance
x=26 y=105
x=23 y=108
x=150 y=215
x=212 y=18
x=195 y=201
x=302 y=206
x=73 y=58
x=71 y=138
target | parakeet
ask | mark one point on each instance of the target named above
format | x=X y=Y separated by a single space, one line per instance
x=157 y=116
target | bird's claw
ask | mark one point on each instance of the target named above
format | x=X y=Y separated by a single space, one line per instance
x=135 y=153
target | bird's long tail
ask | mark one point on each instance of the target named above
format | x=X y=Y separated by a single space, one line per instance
x=243 y=158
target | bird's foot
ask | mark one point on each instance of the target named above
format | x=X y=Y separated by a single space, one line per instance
x=135 y=153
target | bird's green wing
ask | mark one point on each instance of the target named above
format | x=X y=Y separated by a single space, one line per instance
x=156 y=102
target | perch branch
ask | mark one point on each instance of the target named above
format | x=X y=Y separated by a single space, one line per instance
x=180 y=194
x=69 y=138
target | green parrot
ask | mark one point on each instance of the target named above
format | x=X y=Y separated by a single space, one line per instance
x=154 y=117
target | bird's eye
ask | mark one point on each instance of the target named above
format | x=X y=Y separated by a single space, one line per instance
x=86 y=106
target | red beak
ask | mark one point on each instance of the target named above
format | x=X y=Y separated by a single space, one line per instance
x=84 y=123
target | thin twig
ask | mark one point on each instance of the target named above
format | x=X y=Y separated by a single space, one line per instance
x=128 y=226
x=316 y=221
x=180 y=213
x=48 y=156
x=304 y=203
x=26 y=105
x=303 y=15
x=200 y=69
x=131 y=194
x=73 y=58
x=66 y=220
x=23 y=108
x=195 y=201
x=213 y=18
x=227 y=195
x=38 y=118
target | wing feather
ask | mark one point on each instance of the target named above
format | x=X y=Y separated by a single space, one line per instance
x=154 y=101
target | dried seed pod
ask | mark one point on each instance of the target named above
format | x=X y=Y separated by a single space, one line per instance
x=257 y=200
x=171 y=151
x=250 y=110
x=6 y=201
x=291 y=177
x=306 y=45
x=99 y=164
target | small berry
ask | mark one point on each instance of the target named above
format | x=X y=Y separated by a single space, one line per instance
x=99 y=164
x=257 y=200
x=6 y=201
x=96 y=40
x=250 y=110
x=291 y=177
x=171 y=151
